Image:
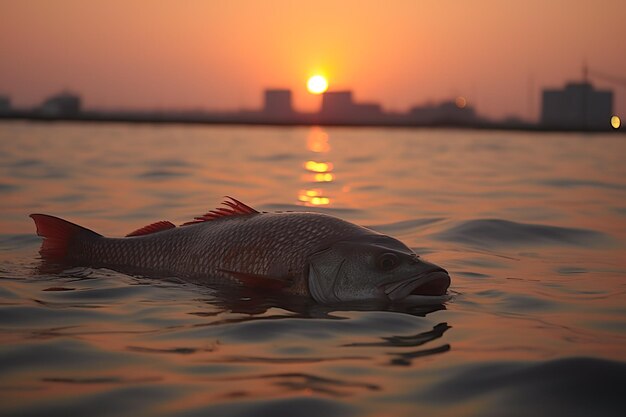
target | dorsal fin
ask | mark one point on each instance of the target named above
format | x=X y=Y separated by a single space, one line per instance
x=233 y=208
x=152 y=228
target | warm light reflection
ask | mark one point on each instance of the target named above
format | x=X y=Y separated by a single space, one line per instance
x=323 y=177
x=317 y=84
x=318 y=166
x=313 y=197
x=616 y=122
x=319 y=173
x=317 y=141
x=460 y=102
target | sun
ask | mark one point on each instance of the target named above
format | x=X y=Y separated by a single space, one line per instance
x=317 y=84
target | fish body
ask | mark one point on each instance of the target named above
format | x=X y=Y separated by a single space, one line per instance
x=297 y=253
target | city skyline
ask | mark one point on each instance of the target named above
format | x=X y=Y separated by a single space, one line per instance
x=577 y=106
x=214 y=56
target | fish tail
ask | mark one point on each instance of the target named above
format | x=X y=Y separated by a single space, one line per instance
x=57 y=235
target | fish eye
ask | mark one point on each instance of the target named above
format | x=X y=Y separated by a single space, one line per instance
x=388 y=261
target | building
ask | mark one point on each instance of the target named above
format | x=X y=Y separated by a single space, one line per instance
x=577 y=106
x=62 y=104
x=456 y=112
x=336 y=104
x=339 y=107
x=5 y=104
x=277 y=104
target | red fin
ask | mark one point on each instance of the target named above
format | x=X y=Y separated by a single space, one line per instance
x=57 y=234
x=234 y=208
x=152 y=228
x=262 y=282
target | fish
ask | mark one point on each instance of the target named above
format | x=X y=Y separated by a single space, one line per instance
x=291 y=253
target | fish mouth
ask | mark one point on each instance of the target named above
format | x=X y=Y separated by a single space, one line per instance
x=432 y=283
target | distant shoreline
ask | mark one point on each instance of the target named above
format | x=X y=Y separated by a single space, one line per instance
x=166 y=118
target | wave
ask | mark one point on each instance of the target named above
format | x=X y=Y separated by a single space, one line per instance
x=18 y=241
x=404 y=226
x=6 y=187
x=497 y=232
x=572 y=386
x=160 y=174
x=277 y=157
x=571 y=183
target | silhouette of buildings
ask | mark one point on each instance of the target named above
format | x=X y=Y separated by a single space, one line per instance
x=339 y=107
x=5 y=104
x=62 y=104
x=456 y=112
x=577 y=106
x=277 y=104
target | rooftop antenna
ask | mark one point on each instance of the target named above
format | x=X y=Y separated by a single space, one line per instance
x=530 y=96
x=585 y=92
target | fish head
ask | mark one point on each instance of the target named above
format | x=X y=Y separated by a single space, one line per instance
x=376 y=267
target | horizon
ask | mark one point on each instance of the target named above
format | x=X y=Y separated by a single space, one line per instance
x=221 y=57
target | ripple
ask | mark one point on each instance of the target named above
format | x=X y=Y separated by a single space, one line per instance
x=406 y=358
x=277 y=157
x=7 y=188
x=571 y=386
x=471 y=274
x=141 y=399
x=571 y=183
x=36 y=169
x=158 y=174
x=99 y=380
x=176 y=351
x=571 y=270
x=297 y=381
x=298 y=406
x=69 y=198
x=285 y=360
x=407 y=341
x=171 y=163
x=496 y=232
x=18 y=241
x=20 y=316
x=56 y=355
x=404 y=226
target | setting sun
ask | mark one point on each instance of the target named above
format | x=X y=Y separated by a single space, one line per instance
x=317 y=84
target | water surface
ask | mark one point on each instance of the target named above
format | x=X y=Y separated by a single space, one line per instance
x=531 y=227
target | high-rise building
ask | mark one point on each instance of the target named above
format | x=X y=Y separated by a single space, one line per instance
x=337 y=104
x=277 y=104
x=62 y=104
x=339 y=107
x=456 y=112
x=577 y=106
x=5 y=104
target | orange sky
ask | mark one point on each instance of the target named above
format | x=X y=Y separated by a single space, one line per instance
x=222 y=54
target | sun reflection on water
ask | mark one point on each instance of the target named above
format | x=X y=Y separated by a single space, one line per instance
x=318 y=172
x=325 y=177
x=317 y=140
x=314 y=166
x=313 y=197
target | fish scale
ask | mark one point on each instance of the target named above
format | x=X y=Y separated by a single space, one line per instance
x=270 y=244
x=293 y=252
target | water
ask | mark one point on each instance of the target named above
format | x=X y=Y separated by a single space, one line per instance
x=531 y=227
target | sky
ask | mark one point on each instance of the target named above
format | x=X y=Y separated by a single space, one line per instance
x=221 y=55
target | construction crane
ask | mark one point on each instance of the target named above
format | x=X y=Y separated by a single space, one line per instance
x=613 y=79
